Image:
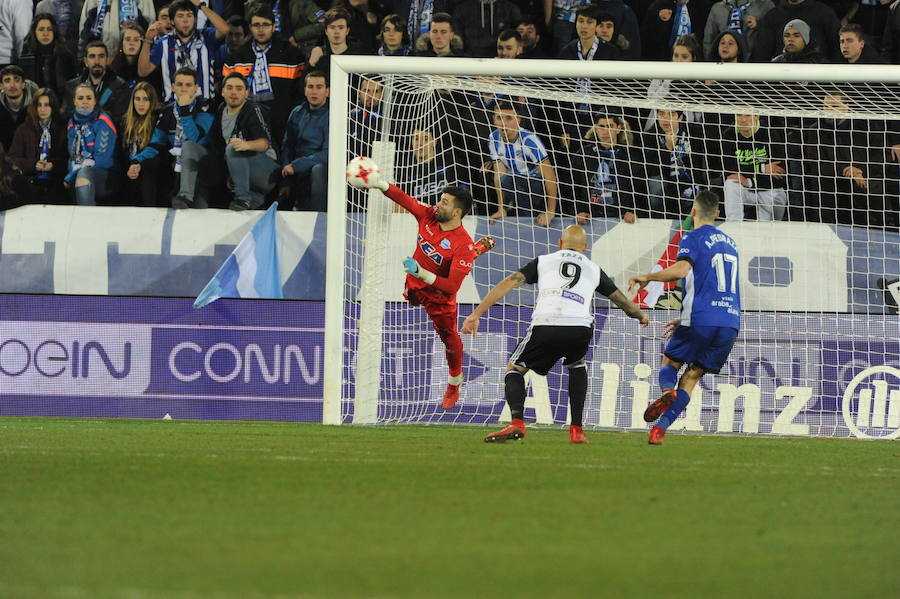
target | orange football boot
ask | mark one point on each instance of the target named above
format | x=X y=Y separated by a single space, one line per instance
x=657 y=407
x=576 y=435
x=515 y=430
x=451 y=396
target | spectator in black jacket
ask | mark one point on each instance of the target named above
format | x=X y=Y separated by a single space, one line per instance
x=754 y=168
x=823 y=26
x=531 y=38
x=854 y=47
x=509 y=44
x=39 y=148
x=240 y=144
x=142 y=179
x=337 y=41
x=13 y=184
x=125 y=63
x=480 y=21
x=890 y=38
x=729 y=46
x=587 y=45
x=798 y=45
x=67 y=14
x=272 y=66
x=46 y=59
x=608 y=31
x=845 y=164
x=16 y=93
x=673 y=155
x=667 y=20
x=365 y=21
x=611 y=173
x=112 y=92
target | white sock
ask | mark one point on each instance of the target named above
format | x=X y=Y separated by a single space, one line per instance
x=456 y=380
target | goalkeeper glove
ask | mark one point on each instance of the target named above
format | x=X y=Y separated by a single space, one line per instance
x=412 y=267
x=372 y=180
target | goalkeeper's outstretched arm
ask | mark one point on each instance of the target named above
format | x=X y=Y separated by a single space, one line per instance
x=397 y=195
x=516 y=279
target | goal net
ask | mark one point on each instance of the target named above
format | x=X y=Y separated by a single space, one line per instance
x=805 y=160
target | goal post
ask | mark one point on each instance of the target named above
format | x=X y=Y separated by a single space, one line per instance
x=815 y=317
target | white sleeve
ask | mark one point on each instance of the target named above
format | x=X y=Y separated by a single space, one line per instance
x=88 y=5
x=21 y=26
x=493 y=147
x=148 y=9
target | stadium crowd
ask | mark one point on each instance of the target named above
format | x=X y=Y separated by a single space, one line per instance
x=126 y=102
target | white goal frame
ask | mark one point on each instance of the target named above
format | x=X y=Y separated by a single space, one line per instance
x=343 y=66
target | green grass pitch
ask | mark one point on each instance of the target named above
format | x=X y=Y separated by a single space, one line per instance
x=146 y=509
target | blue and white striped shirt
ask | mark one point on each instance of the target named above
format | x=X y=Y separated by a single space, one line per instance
x=200 y=53
x=522 y=156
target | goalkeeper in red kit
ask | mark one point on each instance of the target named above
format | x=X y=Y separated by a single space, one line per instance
x=443 y=257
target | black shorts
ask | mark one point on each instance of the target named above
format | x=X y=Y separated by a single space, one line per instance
x=544 y=345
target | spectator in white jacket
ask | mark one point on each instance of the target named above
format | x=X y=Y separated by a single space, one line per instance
x=15 y=22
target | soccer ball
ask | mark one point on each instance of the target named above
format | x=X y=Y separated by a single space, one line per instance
x=360 y=170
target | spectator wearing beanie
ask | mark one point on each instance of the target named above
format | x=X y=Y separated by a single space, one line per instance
x=798 y=45
x=823 y=26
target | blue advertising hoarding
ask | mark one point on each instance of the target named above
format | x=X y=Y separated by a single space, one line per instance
x=799 y=374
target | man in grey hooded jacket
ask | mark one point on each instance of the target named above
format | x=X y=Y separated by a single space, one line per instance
x=742 y=16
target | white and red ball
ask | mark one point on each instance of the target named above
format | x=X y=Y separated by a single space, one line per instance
x=360 y=171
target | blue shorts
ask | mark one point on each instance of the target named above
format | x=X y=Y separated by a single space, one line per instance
x=706 y=347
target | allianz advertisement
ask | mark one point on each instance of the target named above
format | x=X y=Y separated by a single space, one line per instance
x=789 y=374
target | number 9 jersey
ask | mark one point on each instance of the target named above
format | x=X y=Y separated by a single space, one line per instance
x=566 y=283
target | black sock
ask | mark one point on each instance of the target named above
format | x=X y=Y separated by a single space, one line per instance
x=578 y=382
x=514 y=383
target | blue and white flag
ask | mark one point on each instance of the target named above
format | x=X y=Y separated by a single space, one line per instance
x=252 y=269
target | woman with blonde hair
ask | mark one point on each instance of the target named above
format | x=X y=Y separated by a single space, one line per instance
x=91 y=138
x=138 y=127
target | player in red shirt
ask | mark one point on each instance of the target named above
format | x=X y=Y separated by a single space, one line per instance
x=443 y=257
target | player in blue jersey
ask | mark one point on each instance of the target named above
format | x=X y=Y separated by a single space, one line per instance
x=710 y=312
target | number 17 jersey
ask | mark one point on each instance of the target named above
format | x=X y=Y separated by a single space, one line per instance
x=712 y=293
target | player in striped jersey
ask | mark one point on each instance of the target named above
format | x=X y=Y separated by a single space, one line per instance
x=562 y=326
x=710 y=312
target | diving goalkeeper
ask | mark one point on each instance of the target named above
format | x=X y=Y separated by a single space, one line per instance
x=443 y=257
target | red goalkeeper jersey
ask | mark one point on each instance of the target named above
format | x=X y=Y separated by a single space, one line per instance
x=448 y=254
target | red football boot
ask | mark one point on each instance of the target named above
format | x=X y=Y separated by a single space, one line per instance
x=515 y=430
x=484 y=245
x=576 y=435
x=451 y=396
x=657 y=407
x=656 y=435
